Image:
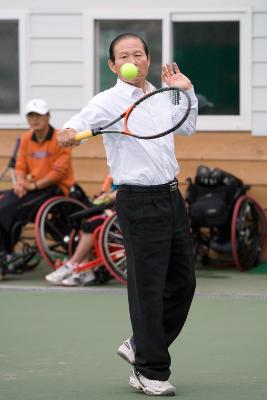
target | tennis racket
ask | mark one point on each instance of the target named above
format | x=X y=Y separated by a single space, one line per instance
x=10 y=168
x=167 y=96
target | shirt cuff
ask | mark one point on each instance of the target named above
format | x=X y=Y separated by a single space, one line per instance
x=192 y=95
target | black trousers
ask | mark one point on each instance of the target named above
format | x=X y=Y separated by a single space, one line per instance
x=160 y=269
x=15 y=211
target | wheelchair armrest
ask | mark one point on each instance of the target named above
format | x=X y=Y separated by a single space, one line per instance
x=246 y=187
x=243 y=190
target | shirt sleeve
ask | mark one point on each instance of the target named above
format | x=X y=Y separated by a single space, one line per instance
x=91 y=116
x=188 y=128
x=21 y=167
x=61 y=164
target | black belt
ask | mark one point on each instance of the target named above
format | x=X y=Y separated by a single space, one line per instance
x=166 y=187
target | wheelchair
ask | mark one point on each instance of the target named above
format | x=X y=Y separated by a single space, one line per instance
x=57 y=231
x=23 y=253
x=228 y=226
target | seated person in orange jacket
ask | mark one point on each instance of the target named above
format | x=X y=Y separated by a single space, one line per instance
x=43 y=169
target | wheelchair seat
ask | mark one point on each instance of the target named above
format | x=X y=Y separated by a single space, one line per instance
x=211 y=197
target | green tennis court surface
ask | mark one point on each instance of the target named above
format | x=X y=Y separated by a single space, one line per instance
x=61 y=344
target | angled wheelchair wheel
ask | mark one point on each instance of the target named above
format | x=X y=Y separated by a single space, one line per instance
x=248 y=232
x=111 y=248
x=25 y=253
x=55 y=229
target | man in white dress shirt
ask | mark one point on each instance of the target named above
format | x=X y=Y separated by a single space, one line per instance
x=151 y=212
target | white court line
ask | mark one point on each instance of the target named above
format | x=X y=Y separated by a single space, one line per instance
x=122 y=291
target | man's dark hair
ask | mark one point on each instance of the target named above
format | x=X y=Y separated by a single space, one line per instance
x=124 y=36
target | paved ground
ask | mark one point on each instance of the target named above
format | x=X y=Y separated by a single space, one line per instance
x=60 y=344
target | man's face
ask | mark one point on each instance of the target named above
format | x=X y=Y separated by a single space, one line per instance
x=38 y=122
x=131 y=50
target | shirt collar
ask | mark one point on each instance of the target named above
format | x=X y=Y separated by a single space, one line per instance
x=133 y=91
x=48 y=136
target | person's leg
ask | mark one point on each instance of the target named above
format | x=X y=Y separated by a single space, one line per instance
x=100 y=274
x=9 y=203
x=8 y=206
x=30 y=204
x=83 y=250
x=66 y=274
x=180 y=281
x=146 y=223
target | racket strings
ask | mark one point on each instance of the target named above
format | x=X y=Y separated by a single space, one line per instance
x=175 y=96
x=146 y=118
x=155 y=113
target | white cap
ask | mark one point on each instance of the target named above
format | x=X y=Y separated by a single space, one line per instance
x=38 y=106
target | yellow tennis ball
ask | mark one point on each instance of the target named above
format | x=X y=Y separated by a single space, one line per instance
x=129 y=71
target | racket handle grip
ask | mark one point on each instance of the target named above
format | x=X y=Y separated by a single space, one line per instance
x=83 y=135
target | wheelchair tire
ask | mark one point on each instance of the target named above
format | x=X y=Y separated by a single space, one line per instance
x=54 y=228
x=248 y=232
x=112 y=249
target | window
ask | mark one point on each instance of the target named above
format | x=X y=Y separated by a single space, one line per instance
x=208 y=52
x=9 y=67
x=212 y=48
x=13 y=79
x=107 y=30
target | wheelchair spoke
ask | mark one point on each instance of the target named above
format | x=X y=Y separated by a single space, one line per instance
x=112 y=249
x=116 y=224
x=115 y=235
x=53 y=231
x=118 y=245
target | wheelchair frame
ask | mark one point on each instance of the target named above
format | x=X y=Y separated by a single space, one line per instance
x=25 y=256
x=247 y=234
x=57 y=227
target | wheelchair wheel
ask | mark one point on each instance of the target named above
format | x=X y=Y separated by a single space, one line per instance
x=111 y=248
x=54 y=228
x=248 y=232
x=25 y=253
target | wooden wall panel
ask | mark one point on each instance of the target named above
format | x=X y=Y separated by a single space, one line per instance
x=221 y=146
x=253 y=172
x=93 y=148
x=90 y=169
x=237 y=152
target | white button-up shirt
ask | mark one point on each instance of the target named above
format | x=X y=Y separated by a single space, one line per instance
x=130 y=160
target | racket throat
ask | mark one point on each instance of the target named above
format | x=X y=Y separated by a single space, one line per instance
x=96 y=131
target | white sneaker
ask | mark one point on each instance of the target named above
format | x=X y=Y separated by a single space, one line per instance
x=71 y=280
x=151 y=387
x=57 y=276
x=126 y=351
x=78 y=279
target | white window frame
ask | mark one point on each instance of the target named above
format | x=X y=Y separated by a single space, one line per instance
x=228 y=122
x=18 y=120
x=168 y=16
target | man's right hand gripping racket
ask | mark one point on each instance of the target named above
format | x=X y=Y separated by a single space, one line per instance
x=173 y=95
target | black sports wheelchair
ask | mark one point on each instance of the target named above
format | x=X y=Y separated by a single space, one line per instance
x=228 y=226
x=23 y=254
